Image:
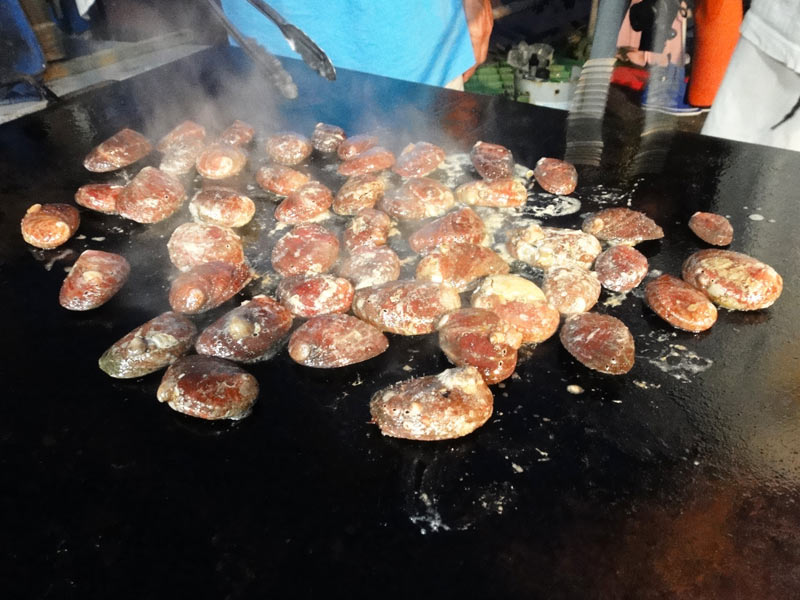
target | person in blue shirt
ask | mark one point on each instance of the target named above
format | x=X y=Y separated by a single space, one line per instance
x=431 y=41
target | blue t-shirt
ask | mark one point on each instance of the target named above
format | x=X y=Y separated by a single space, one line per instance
x=425 y=41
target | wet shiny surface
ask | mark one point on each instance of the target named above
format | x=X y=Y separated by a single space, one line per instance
x=677 y=480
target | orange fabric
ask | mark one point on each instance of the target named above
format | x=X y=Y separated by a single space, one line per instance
x=480 y=23
x=716 y=34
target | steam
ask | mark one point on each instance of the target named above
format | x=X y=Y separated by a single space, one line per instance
x=216 y=87
x=212 y=93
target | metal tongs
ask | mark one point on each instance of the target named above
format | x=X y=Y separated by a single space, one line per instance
x=311 y=54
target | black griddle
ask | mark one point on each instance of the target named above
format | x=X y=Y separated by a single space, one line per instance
x=677 y=480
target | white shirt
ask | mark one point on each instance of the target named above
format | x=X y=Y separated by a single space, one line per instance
x=774 y=27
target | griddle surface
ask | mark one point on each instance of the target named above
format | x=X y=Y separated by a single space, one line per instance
x=679 y=479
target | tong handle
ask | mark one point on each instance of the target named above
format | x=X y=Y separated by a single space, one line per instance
x=309 y=51
x=270 y=65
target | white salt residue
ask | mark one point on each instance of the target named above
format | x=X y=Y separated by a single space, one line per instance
x=655 y=273
x=116 y=229
x=646 y=385
x=430 y=518
x=332 y=167
x=267 y=281
x=496 y=220
x=615 y=197
x=100 y=238
x=407 y=368
x=517 y=468
x=574 y=389
x=358 y=381
x=771 y=221
x=615 y=299
x=49 y=262
x=320 y=217
x=497 y=499
x=542 y=206
x=680 y=362
x=522 y=171
x=80 y=237
x=661 y=336
x=455 y=170
x=756 y=217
